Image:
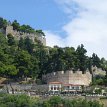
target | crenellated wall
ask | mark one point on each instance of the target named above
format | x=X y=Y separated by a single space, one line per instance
x=18 y=35
x=69 y=77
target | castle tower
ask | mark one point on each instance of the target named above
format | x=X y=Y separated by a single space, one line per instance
x=9 y=29
x=41 y=38
x=17 y=34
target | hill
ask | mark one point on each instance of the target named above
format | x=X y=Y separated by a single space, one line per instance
x=23 y=58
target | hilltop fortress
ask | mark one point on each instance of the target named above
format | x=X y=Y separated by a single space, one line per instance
x=17 y=35
x=69 y=77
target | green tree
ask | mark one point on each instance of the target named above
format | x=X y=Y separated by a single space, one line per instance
x=29 y=46
x=11 y=40
x=3 y=41
x=104 y=64
x=40 y=32
x=23 y=63
x=27 y=29
x=55 y=101
x=3 y=23
x=46 y=104
x=21 y=43
x=16 y=25
x=82 y=58
x=10 y=71
x=96 y=60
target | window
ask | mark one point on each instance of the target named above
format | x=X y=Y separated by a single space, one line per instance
x=66 y=87
x=73 y=88
x=57 y=88
x=77 y=88
x=51 y=88
x=54 y=88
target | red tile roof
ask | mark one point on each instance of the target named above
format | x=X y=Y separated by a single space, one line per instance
x=55 y=82
x=71 y=85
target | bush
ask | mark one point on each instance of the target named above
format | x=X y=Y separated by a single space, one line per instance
x=7 y=100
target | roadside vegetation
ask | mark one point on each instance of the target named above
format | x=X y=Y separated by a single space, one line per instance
x=25 y=101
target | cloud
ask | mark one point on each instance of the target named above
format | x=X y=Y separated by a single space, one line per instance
x=69 y=6
x=54 y=39
x=88 y=27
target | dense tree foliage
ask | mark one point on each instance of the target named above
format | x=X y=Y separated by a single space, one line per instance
x=28 y=59
x=25 y=101
x=25 y=28
x=3 y=23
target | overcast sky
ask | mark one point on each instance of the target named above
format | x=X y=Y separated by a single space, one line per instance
x=65 y=22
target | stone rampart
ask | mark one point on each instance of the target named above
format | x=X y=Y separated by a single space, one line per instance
x=98 y=71
x=69 y=77
x=17 y=35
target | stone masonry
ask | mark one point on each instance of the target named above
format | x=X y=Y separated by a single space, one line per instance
x=17 y=35
x=98 y=71
x=69 y=77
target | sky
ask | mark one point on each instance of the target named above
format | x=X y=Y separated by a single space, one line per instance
x=65 y=22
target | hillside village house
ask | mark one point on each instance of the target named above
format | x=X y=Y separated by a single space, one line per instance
x=56 y=87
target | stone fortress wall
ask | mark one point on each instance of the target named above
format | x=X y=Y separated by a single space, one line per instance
x=75 y=78
x=69 y=77
x=98 y=71
x=18 y=35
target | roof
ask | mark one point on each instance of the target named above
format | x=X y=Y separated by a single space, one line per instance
x=55 y=82
x=1 y=85
x=71 y=85
x=64 y=84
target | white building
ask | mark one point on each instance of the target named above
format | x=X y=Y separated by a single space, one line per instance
x=57 y=87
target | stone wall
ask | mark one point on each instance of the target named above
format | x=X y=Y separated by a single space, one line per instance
x=98 y=71
x=17 y=35
x=69 y=77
